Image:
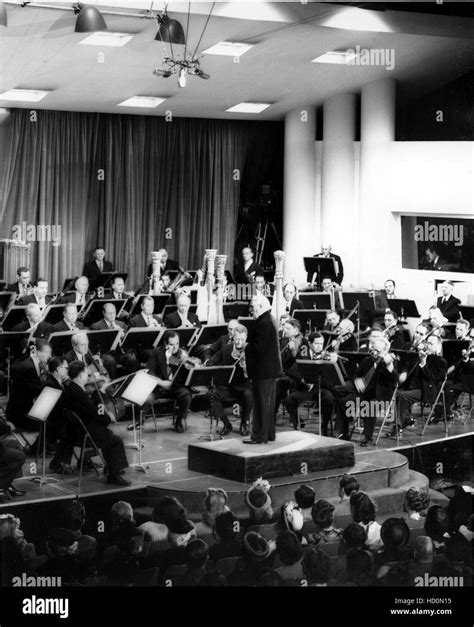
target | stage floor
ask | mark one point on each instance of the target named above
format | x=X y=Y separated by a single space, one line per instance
x=166 y=455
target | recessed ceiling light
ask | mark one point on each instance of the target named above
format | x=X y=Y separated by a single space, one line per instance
x=338 y=57
x=145 y=102
x=228 y=49
x=105 y=38
x=24 y=95
x=249 y=107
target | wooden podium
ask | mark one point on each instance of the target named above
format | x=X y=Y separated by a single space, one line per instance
x=13 y=255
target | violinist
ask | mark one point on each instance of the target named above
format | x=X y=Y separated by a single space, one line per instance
x=438 y=322
x=332 y=321
x=117 y=289
x=39 y=295
x=421 y=332
x=96 y=420
x=233 y=354
x=375 y=380
x=392 y=331
x=80 y=349
x=22 y=285
x=81 y=296
x=59 y=430
x=461 y=376
x=344 y=337
x=128 y=361
x=290 y=345
x=69 y=321
x=34 y=324
x=146 y=318
x=208 y=350
x=164 y=362
x=310 y=392
x=462 y=329
x=424 y=384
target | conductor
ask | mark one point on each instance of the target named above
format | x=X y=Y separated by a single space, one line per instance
x=263 y=367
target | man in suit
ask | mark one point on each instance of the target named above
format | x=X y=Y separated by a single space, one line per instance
x=81 y=295
x=79 y=349
x=432 y=260
x=207 y=351
x=69 y=321
x=128 y=361
x=58 y=430
x=146 y=318
x=98 y=265
x=462 y=330
x=290 y=345
x=291 y=301
x=263 y=367
x=392 y=331
x=28 y=379
x=327 y=254
x=117 y=289
x=22 y=284
x=163 y=363
x=166 y=264
x=246 y=268
x=389 y=288
x=96 y=421
x=183 y=317
x=232 y=354
x=424 y=383
x=39 y=295
x=438 y=323
x=33 y=323
x=447 y=303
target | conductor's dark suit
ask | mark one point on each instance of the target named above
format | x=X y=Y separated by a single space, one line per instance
x=263 y=367
x=449 y=308
x=91 y=269
x=77 y=400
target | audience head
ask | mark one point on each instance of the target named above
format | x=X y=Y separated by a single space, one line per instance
x=180 y=532
x=305 y=496
x=254 y=546
x=291 y=517
x=347 y=485
x=197 y=553
x=289 y=548
x=423 y=550
x=362 y=508
x=10 y=527
x=395 y=533
x=416 y=501
x=437 y=523
x=121 y=512
x=323 y=514
x=168 y=509
x=258 y=502
x=359 y=566
x=226 y=526
x=354 y=536
x=215 y=503
x=316 y=566
x=127 y=538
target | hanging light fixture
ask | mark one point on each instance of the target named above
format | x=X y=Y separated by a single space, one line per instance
x=89 y=19
x=170 y=31
x=3 y=15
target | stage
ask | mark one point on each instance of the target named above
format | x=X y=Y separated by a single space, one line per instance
x=386 y=468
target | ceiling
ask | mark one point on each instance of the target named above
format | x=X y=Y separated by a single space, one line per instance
x=39 y=50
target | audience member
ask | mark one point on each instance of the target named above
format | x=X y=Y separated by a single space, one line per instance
x=363 y=512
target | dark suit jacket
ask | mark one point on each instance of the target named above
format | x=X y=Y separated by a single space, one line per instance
x=397 y=340
x=263 y=350
x=173 y=321
x=449 y=309
x=217 y=346
x=26 y=385
x=429 y=378
x=77 y=400
x=62 y=326
x=382 y=384
x=71 y=356
x=26 y=300
x=91 y=269
x=223 y=357
x=242 y=275
x=295 y=304
x=340 y=275
x=157 y=363
x=102 y=325
x=170 y=266
x=13 y=287
x=139 y=321
x=43 y=330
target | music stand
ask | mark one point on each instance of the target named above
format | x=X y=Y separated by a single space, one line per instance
x=95 y=310
x=321 y=267
x=210 y=377
x=208 y=334
x=234 y=310
x=320 y=372
x=41 y=409
x=140 y=338
x=6 y=299
x=452 y=349
x=312 y=319
x=61 y=342
x=186 y=335
x=137 y=391
x=467 y=312
x=160 y=301
x=14 y=316
x=102 y=341
x=315 y=300
x=54 y=314
x=404 y=308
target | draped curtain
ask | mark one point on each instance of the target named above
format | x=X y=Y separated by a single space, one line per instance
x=132 y=184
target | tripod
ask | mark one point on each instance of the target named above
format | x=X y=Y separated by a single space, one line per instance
x=261 y=237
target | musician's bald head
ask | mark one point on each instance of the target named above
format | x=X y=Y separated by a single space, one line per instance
x=33 y=312
x=80 y=342
x=326 y=248
x=82 y=284
x=259 y=305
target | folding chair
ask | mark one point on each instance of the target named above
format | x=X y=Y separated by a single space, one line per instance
x=439 y=396
x=392 y=409
x=92 y=445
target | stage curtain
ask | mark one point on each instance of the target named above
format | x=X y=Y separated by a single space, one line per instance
x=130 y=183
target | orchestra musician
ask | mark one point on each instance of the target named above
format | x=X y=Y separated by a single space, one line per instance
x=81 y=295
x=28 y=379
x=461 y=376
x=375 y=380
x=392 y=331
x=345 y=339
x=310 y=392
x=291 y=299
x=326 y=285
x=389 y=289
x=332 y=320
x=166 y=264
x=447 y=303
x=22 y=286
x=326 y=253
x=96 y=420
x=438 y=322
x=39 y=295
x=182 y=317
x=164 y=361
x=222 y=342
x=79 y=349
x=34 y=324
x=69 y=321
x=146 y=318
x=462 y=331
x=231 y=354
x=98 y=265
x=117 y=289
x=263 y=362
x=247 y=268
x=290 y=344
x=261 y=286
x=424 y=383
x=421 y=332
x=59 y=430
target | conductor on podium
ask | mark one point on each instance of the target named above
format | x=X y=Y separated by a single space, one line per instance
x=263 y=367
